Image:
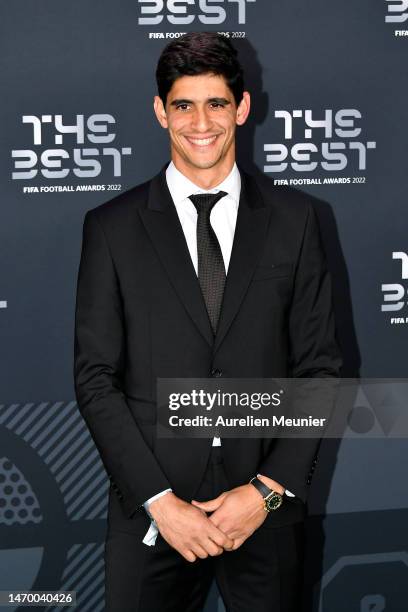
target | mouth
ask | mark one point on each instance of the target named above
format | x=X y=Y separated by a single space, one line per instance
x=202 y=143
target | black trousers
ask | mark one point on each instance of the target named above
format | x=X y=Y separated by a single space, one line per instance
x=263 y=575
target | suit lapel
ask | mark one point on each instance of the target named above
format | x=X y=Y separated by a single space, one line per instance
x=249 y=237
x=163 y=226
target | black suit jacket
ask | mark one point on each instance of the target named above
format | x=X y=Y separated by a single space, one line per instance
x=140 y=315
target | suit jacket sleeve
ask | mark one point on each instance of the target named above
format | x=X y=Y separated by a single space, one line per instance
x=314 y=353
x=98 y=362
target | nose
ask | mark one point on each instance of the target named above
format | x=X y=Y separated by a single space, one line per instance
x=201 y=119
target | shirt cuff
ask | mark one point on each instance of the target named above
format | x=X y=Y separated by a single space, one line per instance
x=151 y=535
x=152 y=499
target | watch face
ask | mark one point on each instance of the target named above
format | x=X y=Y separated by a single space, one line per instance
x=274 y=501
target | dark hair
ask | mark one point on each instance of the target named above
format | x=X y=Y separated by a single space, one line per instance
x=197 y=53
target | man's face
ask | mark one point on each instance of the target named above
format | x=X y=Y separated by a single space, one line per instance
x=201 y=116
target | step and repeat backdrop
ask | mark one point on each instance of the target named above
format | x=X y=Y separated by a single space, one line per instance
x=329 y=86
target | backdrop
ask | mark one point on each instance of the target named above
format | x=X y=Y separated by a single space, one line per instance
x=329 y=87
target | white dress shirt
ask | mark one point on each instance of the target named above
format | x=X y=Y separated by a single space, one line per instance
x=223 y=220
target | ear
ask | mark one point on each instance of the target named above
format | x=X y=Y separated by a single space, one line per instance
x=243 y=108
x=160 y=112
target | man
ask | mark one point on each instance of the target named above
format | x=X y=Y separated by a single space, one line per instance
x=202 y=271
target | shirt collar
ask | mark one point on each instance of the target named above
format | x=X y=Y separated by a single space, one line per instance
x=181 y=187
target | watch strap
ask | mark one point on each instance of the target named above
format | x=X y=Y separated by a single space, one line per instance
x=261 y=487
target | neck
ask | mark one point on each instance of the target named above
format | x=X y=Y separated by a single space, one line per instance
x=206 y=178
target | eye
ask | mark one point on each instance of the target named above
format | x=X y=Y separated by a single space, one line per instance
x=217 y=105
x=182 y=107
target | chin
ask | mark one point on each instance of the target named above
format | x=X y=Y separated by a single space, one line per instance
x=204 y=163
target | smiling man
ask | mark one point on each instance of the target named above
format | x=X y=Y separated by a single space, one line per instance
x=201 y=117
x=202 y=271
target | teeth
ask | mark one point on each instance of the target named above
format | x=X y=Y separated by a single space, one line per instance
x=203 y=141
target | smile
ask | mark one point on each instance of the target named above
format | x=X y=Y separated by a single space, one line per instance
x=202 y=142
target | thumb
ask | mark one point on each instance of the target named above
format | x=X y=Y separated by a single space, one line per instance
x=210 y=505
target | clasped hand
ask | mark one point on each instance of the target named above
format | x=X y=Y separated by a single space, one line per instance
x=235 y=515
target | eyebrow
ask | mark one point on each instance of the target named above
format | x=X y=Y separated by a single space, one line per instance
x=185 y=101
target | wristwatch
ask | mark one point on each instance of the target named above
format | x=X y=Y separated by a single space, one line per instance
x=272 y=499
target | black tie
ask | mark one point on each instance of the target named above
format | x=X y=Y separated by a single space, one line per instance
x=211 y=270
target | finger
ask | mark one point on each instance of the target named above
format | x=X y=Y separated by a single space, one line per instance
x=222 y=524
x=219 y=519
x=237 y=543
x=213 y=549
x=199 y=551
x=215 y=519
x=188 y=555
x=221 y=539
x=210 y=505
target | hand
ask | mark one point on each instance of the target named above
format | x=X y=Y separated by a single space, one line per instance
x=237 y=513
x=187 y=529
